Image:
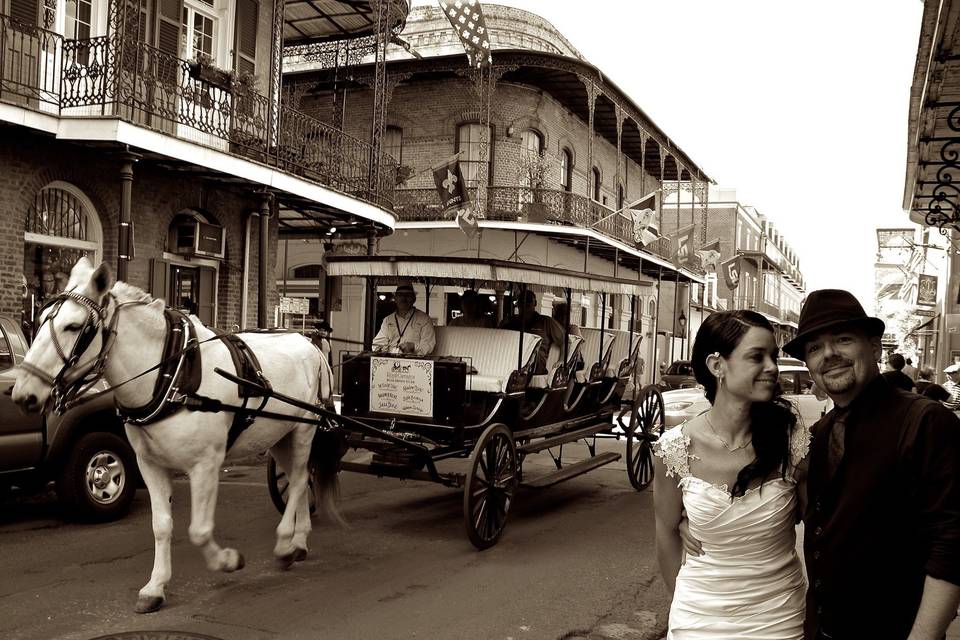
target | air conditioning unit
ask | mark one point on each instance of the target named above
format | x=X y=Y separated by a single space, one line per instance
x=202 y=239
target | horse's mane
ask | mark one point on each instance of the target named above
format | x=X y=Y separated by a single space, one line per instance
x=129 y=293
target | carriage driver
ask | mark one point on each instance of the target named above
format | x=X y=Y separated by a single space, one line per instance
x=407 y=330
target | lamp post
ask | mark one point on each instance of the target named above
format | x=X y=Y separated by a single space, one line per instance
x=682 y=323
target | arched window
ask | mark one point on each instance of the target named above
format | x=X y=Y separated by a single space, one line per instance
x=620 y=200
x=393 y=143
x=566 y=170
x=306 y=272
x=61 y=226
x=595 y=186
x=652 y=308
x=468 y=145
x=532 y=141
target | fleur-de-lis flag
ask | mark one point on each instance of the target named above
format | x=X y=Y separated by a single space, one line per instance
x=454 y=195
x=466 y=17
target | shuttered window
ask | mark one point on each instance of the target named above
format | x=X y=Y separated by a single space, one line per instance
x=248 y=13
x=24 y=11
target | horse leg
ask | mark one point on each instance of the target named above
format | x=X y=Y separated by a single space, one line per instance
x=204 y=483
x=157 y=479
x=291 y=454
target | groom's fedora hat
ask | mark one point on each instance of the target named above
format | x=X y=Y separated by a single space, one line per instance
x=830 y=309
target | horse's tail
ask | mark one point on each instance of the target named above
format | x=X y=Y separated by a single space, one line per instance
x=328 y=447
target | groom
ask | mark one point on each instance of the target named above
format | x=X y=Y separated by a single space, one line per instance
x=882 y=521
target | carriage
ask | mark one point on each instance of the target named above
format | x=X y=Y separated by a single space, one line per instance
x=480 y=398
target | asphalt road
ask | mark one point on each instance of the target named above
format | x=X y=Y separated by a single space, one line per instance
x=576 y=561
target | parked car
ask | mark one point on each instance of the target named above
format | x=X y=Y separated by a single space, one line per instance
x=84 y=451
x=679 y=375
x=795 y=383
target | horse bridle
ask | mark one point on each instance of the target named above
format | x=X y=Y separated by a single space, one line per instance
x=63 y=391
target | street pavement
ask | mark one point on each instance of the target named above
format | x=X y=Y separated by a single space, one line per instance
x=576 y=562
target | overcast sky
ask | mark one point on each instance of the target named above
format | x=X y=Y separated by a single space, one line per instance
x=801 y=106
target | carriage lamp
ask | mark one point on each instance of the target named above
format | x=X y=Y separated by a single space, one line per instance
x=682 y=321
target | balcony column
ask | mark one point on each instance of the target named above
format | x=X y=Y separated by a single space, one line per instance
x=263 y=271
x=618 y=184
x=592 y=93
x=274 y=75
x=643 y=162
x=370 y=298
x=125 y=248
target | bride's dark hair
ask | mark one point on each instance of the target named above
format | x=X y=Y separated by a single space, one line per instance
x=771 y=423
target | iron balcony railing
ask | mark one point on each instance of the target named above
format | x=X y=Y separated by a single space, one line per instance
x=548 y=206
x=106 y=76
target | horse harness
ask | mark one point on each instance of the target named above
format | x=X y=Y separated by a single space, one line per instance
x=179 y=378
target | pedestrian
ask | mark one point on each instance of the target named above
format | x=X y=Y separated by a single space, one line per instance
x=924 y=379
x=952 y=385
x=910 y=370
x=750 y=440
x=532 y=321
x=936 y=392
x=882 y=507
x=895 y=375
x=321 y=338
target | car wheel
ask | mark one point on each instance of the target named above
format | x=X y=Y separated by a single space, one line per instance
x=98 y=480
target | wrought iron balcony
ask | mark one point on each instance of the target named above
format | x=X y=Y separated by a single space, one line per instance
x=546 y=206
x=141 y=84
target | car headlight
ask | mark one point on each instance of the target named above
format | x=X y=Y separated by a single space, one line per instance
x=676 y=407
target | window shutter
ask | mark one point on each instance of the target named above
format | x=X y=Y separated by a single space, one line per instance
x=25 y=11
x=167 y=38
x=245 y=51
x=206 y=294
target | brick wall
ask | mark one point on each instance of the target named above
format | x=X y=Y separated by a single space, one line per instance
x=31 y=161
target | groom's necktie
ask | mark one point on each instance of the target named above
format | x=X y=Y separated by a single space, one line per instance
x=835 y=442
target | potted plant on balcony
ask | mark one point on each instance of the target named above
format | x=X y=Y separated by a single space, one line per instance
x=532 y=172
x=203 y=69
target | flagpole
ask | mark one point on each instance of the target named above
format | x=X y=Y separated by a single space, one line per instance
x=623 y=208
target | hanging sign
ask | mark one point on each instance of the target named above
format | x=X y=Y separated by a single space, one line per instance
x=401 y=385
x=927 y=290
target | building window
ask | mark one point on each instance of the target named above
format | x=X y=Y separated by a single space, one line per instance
x=620 y=197
x=532 y=141
x=60 y=228
x=393 y=143
x=468 y=145
x=566 y=170
x=306 y=272
x=79 y=19
x=198 y=33
x=595 y=186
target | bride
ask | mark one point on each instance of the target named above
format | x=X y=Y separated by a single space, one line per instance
x=732 y=471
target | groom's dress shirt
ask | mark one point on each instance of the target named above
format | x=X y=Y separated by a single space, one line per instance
x=887 y=516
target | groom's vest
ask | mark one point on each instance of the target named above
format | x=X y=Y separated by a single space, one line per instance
x=863 y=544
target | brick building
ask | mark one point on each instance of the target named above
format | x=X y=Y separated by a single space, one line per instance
x=567 y=151
x=151 y=134
x=771 y=281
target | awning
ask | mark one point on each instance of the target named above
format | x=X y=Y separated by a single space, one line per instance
x=478 y=272
x=313 y=20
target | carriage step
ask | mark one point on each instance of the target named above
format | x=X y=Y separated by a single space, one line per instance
x=404 y=473
x=573 y=470
x=539 y=445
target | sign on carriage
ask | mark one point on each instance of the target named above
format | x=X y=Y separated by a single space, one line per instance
x=298 y=306
x=402 y=386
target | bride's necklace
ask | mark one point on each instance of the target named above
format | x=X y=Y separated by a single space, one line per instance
x=724 y=442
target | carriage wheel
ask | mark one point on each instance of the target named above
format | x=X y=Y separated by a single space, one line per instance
x=278 y=484
x=490 y=485
x=646 y=425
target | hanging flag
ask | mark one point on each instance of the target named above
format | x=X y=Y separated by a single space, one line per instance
x=731 y=272
x=684 y=253
x=466 y=17
x=467 y=220
x=642 y=213
x=710 y=256
x=450 y=185
x=926 y=289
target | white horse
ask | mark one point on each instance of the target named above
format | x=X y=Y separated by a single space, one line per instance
x=71 y=342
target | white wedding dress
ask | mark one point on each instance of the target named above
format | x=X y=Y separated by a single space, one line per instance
x=748 y=583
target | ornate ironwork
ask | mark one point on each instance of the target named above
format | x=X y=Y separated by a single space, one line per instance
x=56 y=212
x=31 y=58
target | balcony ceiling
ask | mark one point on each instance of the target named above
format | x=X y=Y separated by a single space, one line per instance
x=324 y=20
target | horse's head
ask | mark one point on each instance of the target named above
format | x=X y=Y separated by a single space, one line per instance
x=69 y=338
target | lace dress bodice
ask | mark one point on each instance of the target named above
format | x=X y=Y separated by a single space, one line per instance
x=748 y=582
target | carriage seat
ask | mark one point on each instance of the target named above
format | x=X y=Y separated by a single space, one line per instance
x=491 y=352
x=591 y=351
x=555 y=362
x=622 y=353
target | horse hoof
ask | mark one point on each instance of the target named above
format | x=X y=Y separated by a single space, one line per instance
x=299 y=555
x=148 y=604
x=286 y=561
x=241 y=563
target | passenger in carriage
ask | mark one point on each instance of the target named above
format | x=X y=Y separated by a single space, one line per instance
x=472 y=315
x=531 y=321
x=407 y=330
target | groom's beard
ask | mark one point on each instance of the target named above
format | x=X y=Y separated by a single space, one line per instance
x=838 y=382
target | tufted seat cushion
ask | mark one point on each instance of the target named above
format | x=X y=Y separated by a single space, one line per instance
x=622 y=353
x=591 y=349
x=555 y=361
x=491 y=352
